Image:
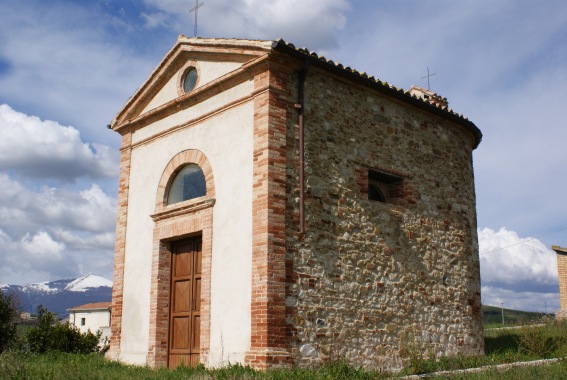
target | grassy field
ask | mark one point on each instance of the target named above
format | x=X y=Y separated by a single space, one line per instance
x=525 y=343
x=492 y=316
x=59 y=366
x=502 y=346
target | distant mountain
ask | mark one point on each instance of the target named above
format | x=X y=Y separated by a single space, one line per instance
x=60 y=295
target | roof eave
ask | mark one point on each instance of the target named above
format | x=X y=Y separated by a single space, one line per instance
x=182 y=40
x=91 y=309
x=382 y=87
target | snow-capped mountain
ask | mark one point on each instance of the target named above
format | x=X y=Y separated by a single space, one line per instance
x=60 y=295
x=85 y=283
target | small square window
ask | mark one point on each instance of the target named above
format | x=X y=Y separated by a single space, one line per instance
x=384 y=187
x=83 y=321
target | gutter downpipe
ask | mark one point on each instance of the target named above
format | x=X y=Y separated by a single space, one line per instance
x=301 y=105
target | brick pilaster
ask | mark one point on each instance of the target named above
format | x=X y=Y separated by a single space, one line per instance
x=269 y=346
x=120 y=246
x=562 y=277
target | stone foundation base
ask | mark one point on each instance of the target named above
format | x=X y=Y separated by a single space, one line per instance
x=561 y=314
x=112 y=354
x=268 y=358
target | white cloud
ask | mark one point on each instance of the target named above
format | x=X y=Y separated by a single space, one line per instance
x=66 y=63
x=506 y=258
x=45 y=149
x=527 y=301
x=310 y=23
x=154 y=20
x=41 y=245
x=87 y=210
x=52 y=233
x=82 y=242
x=33 y=258
x=313 y=23
x=516 y=271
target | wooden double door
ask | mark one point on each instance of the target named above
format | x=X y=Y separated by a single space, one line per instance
x=185 y=302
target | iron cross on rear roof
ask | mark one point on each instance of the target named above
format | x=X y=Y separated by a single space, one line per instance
x=196 y=10
x=427 y=76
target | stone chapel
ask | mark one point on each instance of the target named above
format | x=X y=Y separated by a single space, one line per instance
x=276 y=208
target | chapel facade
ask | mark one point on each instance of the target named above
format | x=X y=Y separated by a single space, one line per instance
x=276 y=208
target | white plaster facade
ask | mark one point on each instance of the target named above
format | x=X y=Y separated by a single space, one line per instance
x=225 y=137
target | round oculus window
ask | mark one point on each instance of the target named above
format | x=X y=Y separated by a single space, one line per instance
x=189 y=80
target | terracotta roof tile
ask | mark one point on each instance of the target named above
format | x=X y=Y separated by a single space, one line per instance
x=92 y=306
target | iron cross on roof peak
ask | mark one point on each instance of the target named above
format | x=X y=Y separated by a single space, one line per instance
x=196 y=10
x=427 y=76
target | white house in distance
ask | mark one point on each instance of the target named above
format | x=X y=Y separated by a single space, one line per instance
x=92 y=316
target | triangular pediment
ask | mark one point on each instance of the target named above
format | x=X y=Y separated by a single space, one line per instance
x=212 y=58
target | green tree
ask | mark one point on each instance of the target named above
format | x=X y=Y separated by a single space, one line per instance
x=51 y=336
x=8 y=313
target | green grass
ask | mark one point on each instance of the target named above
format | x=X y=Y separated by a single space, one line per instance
x=547 y=372
x=61 y=366
x=502 y=346
x=525 y=343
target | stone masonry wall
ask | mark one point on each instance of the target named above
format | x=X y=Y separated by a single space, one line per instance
x=369 y=281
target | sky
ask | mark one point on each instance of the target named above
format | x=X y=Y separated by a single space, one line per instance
x=67 y=67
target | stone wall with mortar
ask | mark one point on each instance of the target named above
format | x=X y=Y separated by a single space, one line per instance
x=369 y=281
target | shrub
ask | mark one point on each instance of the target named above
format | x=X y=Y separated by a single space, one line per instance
x=543 y=340
x=50 y=336
x=8 y=312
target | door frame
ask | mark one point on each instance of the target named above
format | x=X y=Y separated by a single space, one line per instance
x=176 y=222
x=184 y=226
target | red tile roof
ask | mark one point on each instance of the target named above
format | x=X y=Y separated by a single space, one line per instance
x=92 y=306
